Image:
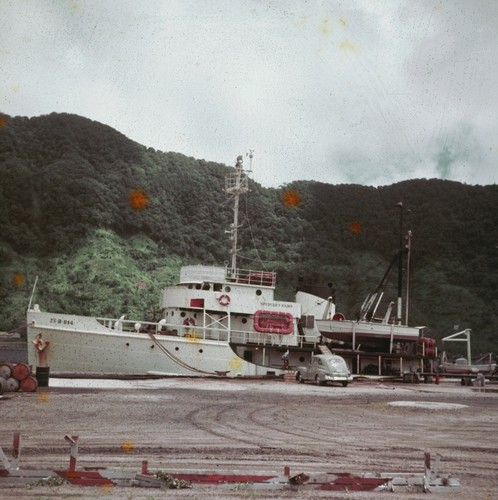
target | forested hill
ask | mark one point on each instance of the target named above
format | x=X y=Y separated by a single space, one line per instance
x=106 y=222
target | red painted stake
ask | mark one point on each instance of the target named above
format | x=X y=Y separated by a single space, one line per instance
x=16 y=445
x=73 y=440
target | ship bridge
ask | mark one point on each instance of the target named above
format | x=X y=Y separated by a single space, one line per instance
x=219 y=289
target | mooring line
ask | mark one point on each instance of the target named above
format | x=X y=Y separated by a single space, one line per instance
x=175 y=359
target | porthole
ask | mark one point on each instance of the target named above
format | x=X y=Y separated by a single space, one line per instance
x=183 y=314
x=177 y=348
x=127 y=344
x=258 y=292
x=228 y=289
x=201 y=351
x=244 y=320
x=301 y=359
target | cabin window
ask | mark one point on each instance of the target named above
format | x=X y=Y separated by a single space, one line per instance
x=183 y=314
x=201 y=351
x=258 y=292
x=217 y=287
x=206 y=286
x=198 y=286
x=244 y=320
x=227 y=289
x=177 y=348
x=301 y=359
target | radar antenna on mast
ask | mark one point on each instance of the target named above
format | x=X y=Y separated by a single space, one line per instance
x=235 y=185
x=250 y=154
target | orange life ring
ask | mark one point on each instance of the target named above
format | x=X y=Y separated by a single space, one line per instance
x=189 y=322
x=224 y=299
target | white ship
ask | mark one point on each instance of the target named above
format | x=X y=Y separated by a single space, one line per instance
x=225 y=321
x=216 y=321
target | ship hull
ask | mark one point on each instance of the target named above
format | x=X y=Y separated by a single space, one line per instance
x=83 y=345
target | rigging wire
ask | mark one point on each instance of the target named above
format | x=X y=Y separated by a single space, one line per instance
x=248 y=221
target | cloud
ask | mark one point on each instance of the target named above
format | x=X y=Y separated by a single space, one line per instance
x=358 y=91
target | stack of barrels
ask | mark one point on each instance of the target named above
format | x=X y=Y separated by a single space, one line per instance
x=17 y=377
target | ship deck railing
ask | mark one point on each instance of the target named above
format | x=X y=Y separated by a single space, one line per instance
x=214 y=330
x=252 y=277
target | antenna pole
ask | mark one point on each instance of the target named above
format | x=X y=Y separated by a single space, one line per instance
x=32 y=293
x=409 y=249
x=238 y=170
x=236 y=184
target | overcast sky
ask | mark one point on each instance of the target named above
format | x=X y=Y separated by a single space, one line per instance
x=369 y=92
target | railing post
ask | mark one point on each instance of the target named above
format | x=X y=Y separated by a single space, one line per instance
x=16 y=451
x=16 y=446
x=73 y=440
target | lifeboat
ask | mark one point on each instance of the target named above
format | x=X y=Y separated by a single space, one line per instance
x=273 y=322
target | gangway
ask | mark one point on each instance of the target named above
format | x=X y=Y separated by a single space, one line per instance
x=324 y=349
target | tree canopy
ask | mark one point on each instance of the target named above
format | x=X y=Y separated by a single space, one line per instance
x=91 y=212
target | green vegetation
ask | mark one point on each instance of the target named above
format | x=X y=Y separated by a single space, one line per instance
x=68 y=214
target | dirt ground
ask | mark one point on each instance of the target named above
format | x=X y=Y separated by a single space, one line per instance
x=254 y=426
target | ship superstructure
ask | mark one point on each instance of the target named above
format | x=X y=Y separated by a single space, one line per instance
x=215 y=321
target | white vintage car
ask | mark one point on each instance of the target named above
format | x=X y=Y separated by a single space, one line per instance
x=325 y=368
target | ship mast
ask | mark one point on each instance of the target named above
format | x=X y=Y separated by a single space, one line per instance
x=399 y=310
x=235 y=185
x=408 y=247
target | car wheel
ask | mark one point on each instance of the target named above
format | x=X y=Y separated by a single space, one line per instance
x=344 y=384
x=299 y=378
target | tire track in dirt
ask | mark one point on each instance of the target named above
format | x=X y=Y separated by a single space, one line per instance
x=252 y=428
x=309 y=437
x=216 y=421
